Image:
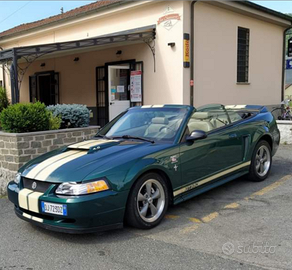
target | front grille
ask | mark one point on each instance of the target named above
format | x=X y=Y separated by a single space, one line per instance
x=41 y=186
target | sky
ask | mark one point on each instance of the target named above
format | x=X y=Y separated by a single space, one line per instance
x=13 y=13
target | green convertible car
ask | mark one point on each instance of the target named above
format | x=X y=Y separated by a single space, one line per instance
x=141 y=162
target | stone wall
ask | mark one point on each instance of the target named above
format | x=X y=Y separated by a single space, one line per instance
x=18 y=148
x=285 y=128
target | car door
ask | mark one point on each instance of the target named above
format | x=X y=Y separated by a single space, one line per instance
x=220 y=151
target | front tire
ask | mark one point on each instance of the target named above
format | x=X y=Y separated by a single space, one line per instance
x=261 y=162
x=148 y=201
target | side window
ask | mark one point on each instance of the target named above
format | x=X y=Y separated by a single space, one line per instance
x=234 y=116
x=219 y=118
x=217 y=115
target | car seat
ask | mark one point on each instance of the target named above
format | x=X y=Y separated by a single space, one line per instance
x=200 y=121
x=157 y=123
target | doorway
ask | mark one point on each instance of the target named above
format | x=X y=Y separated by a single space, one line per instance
x=118 y=85
x=120 y=73
x=44 y=87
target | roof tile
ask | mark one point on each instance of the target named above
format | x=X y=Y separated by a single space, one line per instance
x=69 y=14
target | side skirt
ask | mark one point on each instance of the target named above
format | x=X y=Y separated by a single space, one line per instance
x=199 y=190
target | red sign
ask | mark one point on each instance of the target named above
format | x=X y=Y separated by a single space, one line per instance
x=174 y=16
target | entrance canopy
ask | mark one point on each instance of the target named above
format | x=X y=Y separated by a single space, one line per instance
x=31 y=53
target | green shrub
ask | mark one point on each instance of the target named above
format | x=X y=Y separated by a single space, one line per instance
x=55 y=121
x=29 y=117
x=73 y=115
x=4 y=102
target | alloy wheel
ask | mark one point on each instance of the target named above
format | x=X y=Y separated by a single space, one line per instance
x=151 y=200
x=263 y=161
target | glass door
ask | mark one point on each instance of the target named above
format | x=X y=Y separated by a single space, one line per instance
x=118 y=86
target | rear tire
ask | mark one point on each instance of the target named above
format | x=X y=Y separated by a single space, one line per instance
x=148 y=202
x=261 y=162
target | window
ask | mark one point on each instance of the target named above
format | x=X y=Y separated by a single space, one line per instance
x=242 y=55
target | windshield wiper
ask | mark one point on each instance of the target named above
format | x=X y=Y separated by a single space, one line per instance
x=127 y=137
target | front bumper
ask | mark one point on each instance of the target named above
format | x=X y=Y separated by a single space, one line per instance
x=89 y=213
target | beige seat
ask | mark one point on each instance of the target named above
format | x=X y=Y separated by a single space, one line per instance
x=200 y=121
x=156 y=125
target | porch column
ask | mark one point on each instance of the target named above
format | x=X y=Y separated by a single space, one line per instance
x=16 y=76
x=12 y=84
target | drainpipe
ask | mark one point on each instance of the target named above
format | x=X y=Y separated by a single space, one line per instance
x=284 y=63
x=3 y=72
x=192 y=69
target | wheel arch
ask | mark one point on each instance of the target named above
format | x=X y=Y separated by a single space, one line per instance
x=162 y=173
x=268 y=139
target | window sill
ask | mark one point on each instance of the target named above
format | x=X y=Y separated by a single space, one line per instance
x=243 y=83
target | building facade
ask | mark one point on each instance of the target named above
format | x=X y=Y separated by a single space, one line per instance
x=111 y=55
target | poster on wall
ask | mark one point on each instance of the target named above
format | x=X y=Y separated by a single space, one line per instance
x=136 y=86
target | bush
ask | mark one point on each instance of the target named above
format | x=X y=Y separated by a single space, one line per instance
x=72 y=115
x=4 y=102
x=54 y=121
x=29 y=117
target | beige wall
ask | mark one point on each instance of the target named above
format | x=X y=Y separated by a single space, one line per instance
x=216 y=58
x=163 y=86
x=78 y=80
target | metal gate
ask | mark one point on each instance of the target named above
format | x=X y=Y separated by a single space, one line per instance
x=101 y=97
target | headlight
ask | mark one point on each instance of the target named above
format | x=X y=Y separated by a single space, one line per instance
x=17 y=178
x=72 y=188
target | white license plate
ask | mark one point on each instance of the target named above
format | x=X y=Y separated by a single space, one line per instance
x=54 y=208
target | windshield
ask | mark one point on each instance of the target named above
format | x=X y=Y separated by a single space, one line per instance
x=156 y=124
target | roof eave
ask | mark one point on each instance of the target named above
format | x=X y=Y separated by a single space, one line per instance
x=266 y=10
x=64 y=20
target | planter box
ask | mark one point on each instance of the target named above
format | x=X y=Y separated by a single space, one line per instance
x=18 y=148
x=285 y=128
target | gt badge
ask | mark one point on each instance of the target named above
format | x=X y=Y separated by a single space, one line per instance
x=34 y=185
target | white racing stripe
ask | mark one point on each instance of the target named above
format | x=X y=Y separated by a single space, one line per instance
x=33 y=218
x=37 y=169
x=206 y=180
x=26 y=215
x=43 y=175
x=76 y=145
x=22 y=198
x=33 y=201
x=37 y=219
x=88 y=144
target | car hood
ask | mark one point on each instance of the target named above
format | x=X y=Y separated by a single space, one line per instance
x=75 y=162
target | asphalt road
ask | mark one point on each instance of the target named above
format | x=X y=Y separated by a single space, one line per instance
x=240 y=225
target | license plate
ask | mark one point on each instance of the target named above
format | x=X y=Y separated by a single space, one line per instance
x=54 y=208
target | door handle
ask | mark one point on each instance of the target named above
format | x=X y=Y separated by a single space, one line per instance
x=111 y=103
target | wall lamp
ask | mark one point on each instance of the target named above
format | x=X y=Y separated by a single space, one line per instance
x=119 y=52
x=76 y=59
x=171 y=44
x=43 y=64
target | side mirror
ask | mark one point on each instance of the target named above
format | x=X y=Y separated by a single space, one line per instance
x=197 y=135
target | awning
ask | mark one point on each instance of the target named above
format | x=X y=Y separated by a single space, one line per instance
x=138 y=34
x=33 y=52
